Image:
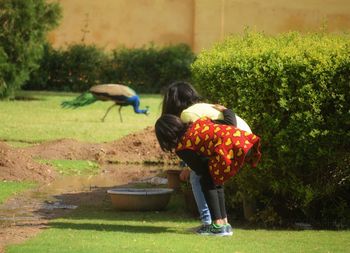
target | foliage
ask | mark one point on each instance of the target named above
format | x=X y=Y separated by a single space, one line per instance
x=73 y=69
x=80 y=66
x=150 y=69
x=293 y=90
x=23 y=29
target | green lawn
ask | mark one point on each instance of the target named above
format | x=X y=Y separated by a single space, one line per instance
x=101 y=229
x=42 y=119
x=104 y=230
x=8 y=188
x=73 y=167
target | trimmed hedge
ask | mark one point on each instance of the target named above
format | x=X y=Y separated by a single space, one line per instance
x=294 y=91
x=75 y=69
x=4 y=66
x=80 y=66
x=149 y=69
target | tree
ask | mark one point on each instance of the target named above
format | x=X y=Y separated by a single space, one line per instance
x=24 y=25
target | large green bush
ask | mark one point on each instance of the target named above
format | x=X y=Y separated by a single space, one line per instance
x=294 y=91
x=73 y=69
x=3 y=69
x=80 y=66
x=148 y=69
x=23 y=29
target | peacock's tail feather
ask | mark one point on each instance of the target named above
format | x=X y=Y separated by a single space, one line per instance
x=84 y=99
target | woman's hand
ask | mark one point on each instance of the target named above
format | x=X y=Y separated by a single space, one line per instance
x=220 y=108
x=184 y=175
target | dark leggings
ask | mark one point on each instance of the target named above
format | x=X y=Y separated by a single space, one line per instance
x=214 y=195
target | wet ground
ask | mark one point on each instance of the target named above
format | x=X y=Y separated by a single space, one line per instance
x=27 y=214
x=24 y=215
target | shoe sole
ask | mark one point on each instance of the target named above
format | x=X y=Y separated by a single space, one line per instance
x=213 y=234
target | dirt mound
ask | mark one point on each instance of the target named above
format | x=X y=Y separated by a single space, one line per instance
x=68 y=149
x=19 y=164
x=139 y=147
x=16 y=165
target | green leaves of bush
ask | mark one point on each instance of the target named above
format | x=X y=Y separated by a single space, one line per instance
x=80 y=66
x=294 y=92
x=73 y=69
x=148 y=69
x=23 y=29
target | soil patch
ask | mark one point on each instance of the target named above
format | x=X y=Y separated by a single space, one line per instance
x=18 y=164
x=141 y=147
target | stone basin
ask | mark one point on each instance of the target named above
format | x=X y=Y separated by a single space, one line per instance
x=134 y=199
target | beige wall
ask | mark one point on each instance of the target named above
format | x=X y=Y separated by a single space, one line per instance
x=217 y=19
x=132 y=23
x=199 y=23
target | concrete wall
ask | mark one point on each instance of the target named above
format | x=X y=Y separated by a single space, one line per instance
x=217 y=19
x=199 y=23
x=132 y=23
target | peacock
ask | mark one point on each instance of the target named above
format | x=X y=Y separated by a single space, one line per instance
x=120 y=94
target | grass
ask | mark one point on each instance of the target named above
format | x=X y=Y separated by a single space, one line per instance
x=40 y=118
x=9 y=188
x=91 y=229
x=73 y=167
x=101 y=229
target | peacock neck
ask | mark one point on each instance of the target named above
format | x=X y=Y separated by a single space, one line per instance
x=135 y=102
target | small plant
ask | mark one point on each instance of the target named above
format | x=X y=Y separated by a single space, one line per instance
x=73 y=167
x=185 y=186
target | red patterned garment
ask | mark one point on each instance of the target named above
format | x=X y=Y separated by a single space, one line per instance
x=225 y=146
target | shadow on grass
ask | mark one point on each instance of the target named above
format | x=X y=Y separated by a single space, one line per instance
x=95 y=204
x=113 y=227
x=174 y=212
x=101 y=216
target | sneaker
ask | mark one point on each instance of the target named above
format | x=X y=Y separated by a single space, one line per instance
x=212 y=229
x=218 y=230
x=228 y=228
x=204 y=229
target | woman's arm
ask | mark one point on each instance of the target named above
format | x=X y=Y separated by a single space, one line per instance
x=229 y=117
x=196 y=162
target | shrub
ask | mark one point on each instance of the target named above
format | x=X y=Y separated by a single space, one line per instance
x=73 y=69
x=4 y=66
x=293 y=90
x=24 y=25
x=150 y=69
x=80 y=66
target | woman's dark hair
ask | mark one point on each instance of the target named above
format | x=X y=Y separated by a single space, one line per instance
x=178 y=96
x=169 y=129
